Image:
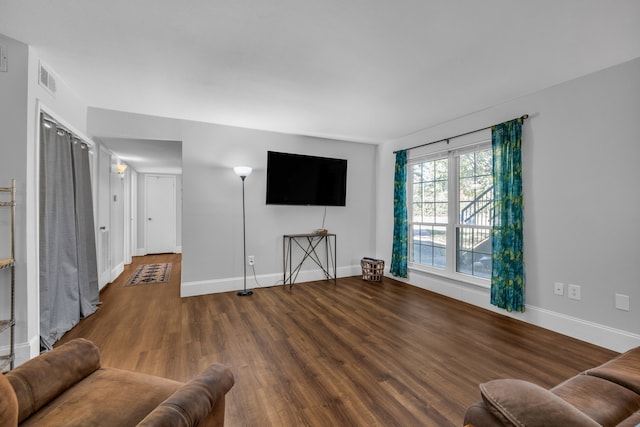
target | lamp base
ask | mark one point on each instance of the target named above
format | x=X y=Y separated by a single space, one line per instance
x=245 y=293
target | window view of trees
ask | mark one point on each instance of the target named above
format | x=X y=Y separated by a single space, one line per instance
x=431 y=225
x=430 y=212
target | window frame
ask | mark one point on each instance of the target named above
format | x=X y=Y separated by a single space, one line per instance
x=476 y=142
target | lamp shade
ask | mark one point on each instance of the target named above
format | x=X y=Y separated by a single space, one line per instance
x=242 y=171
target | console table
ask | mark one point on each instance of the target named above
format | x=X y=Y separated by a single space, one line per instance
x=311 y=246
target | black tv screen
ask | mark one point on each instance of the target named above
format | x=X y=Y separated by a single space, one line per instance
x=296 y=179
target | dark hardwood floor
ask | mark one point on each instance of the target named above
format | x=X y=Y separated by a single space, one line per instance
x=353 y=354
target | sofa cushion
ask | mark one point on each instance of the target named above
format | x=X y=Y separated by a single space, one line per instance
x=521 y=403
x=107 y=397
x=605 y=402
x=35 y=386
x=623 y=370
x=8 y=403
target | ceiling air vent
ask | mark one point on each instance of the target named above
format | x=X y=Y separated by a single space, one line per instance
x=47 y=80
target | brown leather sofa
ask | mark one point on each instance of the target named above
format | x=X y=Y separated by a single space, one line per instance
x=608 y=395
x=68 y=387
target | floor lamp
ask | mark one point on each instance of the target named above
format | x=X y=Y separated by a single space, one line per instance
x=243 y=172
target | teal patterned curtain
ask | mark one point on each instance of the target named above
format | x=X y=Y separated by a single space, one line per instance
x=400 y=233
x=507 y=277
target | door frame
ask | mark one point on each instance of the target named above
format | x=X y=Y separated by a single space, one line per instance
x=103 y=218
x=171 y=206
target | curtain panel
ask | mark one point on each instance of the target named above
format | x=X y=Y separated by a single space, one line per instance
x=68 y=265
x=399 y=254
x=507 y=277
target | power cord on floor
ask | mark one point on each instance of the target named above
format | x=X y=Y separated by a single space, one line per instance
x=255 y=277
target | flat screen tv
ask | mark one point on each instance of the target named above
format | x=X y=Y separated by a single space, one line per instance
x=296 y=179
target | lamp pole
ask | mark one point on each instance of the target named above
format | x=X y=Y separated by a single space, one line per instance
x=243 y=172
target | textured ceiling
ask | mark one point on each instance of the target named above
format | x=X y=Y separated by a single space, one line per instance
x=362 y=70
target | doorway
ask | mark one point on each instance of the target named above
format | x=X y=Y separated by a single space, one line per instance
x=160 y=214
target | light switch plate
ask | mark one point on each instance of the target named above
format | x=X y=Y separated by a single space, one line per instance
x=622 y=302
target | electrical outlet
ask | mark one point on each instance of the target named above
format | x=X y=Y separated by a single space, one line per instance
x=558 y=288
x=251 y=259
x=573 y=292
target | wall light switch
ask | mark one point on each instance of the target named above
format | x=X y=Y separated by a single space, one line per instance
x=622 y=302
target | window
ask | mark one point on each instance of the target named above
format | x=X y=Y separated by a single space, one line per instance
x=451 y=211
x=429 y=212
x=475 y=213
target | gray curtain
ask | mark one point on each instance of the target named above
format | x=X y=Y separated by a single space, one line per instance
x=68 y=268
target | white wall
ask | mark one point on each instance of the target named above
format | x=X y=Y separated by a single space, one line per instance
x=212 y=204
x=580 y=155
x=13 y=164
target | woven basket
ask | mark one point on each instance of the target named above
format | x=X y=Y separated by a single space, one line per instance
x=372 y=269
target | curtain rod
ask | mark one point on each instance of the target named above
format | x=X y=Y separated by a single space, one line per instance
x=58 y=125
x=523 y=117
x=50 y=119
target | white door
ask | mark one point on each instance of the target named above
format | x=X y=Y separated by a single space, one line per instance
x=160 y=213
x=104 y=218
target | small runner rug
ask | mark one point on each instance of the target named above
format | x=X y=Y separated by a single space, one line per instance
x=150 y=273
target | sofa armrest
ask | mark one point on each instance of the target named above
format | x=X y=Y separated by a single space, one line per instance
x=41 y=379
x=200 y=402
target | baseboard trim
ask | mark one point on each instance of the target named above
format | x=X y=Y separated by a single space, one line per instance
x=203 y=287
x=116 y=271
x=594 y=333
x=143 y=251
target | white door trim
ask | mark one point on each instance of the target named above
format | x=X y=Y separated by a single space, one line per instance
x=103 y=221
